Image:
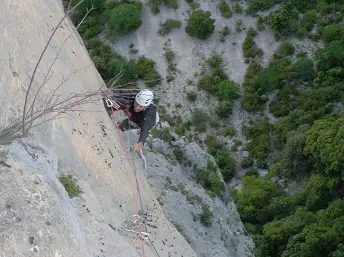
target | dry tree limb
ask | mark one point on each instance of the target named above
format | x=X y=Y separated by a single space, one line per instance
x=52 y=105
x=40 y=59
x=45 y=80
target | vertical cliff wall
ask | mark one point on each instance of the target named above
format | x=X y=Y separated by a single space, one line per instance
x=37 y=216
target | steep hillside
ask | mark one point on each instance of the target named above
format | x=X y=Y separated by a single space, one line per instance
x=37 y=216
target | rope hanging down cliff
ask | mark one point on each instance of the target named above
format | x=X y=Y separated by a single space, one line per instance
x=115 y=106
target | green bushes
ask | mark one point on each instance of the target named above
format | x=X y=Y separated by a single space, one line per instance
x=213 y=145
x=214 y=61
x=125 y=18
x=206 y=217
x=224 y=109
x=260 y=144
x=146 y=71
x=238 y=8
x=171 y=66
x=332 y=32
x=109 y=63
x=226 y=164
x=70 y=185
x=155 y=5
x=258 y=82
x=84 y=6
x=223 y=33
x=283 y=21
x=191 y=96
x=304 y=146
x=255 y=195
x=249 y=47
x=260 y=5
x=325 y=143
x=252 y=172
x=303 y=68
x=308 y=20
x=247 y=162
x=210 y=179
x=199 y=119
x=229 y=131
x=168 y=25
x=291 y=161
x=206 y=84
x=286 y=101
x=285 y=49
x=227 y=91
x=225 y=10
x=218 y=85
x=200 y=24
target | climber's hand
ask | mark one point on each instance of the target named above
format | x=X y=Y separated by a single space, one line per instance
x=138 y=146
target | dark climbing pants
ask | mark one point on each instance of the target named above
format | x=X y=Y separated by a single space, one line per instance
x=127 y=124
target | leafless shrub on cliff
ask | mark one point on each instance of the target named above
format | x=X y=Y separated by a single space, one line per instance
x=41 y=106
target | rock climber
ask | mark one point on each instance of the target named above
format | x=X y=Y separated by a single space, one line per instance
x=139 y=109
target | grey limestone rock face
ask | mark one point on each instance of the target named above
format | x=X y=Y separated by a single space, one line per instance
x=37 y=216
x=181 y=199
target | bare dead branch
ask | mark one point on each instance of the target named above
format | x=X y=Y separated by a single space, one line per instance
x=56 y=56
x=40 y=59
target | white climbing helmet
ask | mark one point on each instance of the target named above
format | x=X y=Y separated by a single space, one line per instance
x=144 y=98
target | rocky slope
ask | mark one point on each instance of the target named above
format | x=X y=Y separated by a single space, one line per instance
x=37 y=216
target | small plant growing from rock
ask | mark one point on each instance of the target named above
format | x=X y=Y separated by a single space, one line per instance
x=252 y=172
x=238 y=8
x=229 y=131
x=168 y=25
x=191 y=96
x=239 y=25
x=225 y=10
x=132 y=50
x=246 y=162
x=249 y=47
x=206 y=217
x=70 y=185
x=223 y=33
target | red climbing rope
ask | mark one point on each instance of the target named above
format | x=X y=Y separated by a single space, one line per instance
x=134 y=172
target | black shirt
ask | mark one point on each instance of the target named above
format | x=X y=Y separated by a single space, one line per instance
x=145 y=119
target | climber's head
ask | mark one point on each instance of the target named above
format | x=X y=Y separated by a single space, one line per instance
x=143 y=100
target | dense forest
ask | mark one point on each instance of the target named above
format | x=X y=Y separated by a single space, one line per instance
x=304 y=145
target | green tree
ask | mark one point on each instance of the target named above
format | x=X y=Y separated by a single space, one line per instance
x=331 y=56
x=224 y=109
x=228 y=90
x=125 y=18
x=292 y=161
x=225 y=10
x=226 y=164
x=332 y=32
x=285 y=49
x=260 y=142
x=249 y=47
x=211 y=179
x=321 y=237
x=319 y=192
x=254 y=196
x=303 y=68
x=276 y=234
x=325 y=142
x=283 y=21
x=309 y=19
x=200 y=24
x=81 y=10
